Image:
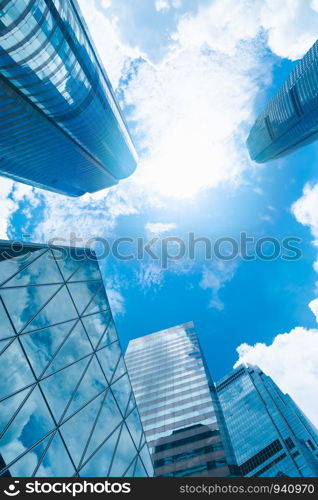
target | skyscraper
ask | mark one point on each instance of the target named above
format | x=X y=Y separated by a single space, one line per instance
x=61 y=127
x=270 y=435
x=178 y=405
x=290 y=120
x=66 y=403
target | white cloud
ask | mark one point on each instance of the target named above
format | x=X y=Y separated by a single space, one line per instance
x=313 y=305
x=149 y=275
x=306 y=208
x=116 y=300
x=306 y=212
x=291 y=360
x=106 y=4
x=159 y=227
x=88 y=217
x=214 y=279
x=177 y=4
x=291 y=26
x=162 y=5
x=7 y=206
x=189 y=115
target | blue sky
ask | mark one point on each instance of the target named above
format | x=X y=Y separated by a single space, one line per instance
x=191 y=76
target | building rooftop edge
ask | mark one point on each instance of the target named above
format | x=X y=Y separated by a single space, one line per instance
x=188 y=324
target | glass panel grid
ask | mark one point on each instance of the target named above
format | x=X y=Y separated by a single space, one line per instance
x=65 y=394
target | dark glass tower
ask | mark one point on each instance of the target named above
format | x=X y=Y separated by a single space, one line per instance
x=66 y=403
x=178 y=405
x=61 y=127
x=270 y=435
x=291 y=118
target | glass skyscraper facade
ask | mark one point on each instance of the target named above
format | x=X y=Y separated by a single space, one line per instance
x=270 y=435
x=178 y=404
x=66 y=403
x=291 y=118
x=61 y=127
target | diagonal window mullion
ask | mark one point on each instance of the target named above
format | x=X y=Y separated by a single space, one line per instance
x=82 y=407
x=115 y=450
x=32 y=285
x=58 y=350
x=33 y=386
x=102 y=443
x=44 y=453
x=44 y=377
x=65 y=410
x=41 y=309
x=72 y=274
x=93 y=428
x=130 y=464
x=81 y=313
x=23 y=268
x=76 y=388
x=53 y=431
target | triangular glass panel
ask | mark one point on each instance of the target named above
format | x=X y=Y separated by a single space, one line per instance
x=110 y=334
x=8 y=407
x=143 y=441
x=76 y=431
x=108 y=419
x=146 y=460
x=15 y=371
x=24 y=302
x=96 y=325
x=92 y=383
x=121 y=391
x=120 y=369
x=99 y=302
x=41 y=345
x=108 y=357
x=125 y=452
x=131 y=404
x=75 y=347
x=56 y=462
x=33 y=421
x=140 y=470
x=6 y=329
x=39 y=271
x=9 y=265
x=98 y=464
x=67 y=261
x=28 y=462
x=58 y=388
x=134 y=425
x=82 y=293
x=59 y=309
x=88 y=271
x=130 y=471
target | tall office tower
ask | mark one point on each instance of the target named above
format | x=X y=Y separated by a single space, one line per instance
x=270 y=435
x=61 y=125
x=178 y=405
x=66 y=404
x=291 y=118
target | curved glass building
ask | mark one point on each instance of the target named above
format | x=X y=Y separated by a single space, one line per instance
x=61 y=127
x=290 y=120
